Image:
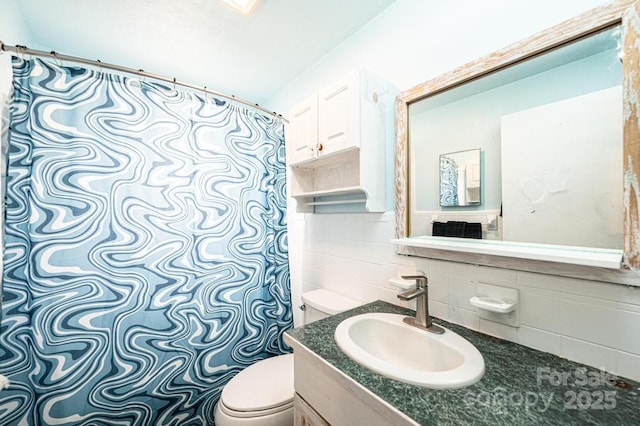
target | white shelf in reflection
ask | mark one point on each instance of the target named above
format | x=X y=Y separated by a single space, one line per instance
x=602 y=258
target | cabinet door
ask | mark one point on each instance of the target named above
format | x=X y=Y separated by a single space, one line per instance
x=338 y=116
x=304 y=131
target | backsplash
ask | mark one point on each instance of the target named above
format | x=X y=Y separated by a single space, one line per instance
x=591 y=322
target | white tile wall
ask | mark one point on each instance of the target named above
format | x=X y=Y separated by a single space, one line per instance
x=594 y=323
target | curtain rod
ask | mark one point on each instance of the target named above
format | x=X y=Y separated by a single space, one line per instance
x=19 y=49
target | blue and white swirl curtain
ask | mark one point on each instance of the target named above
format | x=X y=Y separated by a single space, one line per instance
x=146 y=252
x=448 y=182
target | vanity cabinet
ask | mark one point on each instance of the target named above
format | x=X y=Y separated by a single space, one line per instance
x=305 y=415
x=331 y=388
x=337 y=144
x=326 y=396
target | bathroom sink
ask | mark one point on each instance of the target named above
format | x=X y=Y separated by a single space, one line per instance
x=385 y=344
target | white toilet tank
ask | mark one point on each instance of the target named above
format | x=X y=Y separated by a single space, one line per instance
x=323 y=303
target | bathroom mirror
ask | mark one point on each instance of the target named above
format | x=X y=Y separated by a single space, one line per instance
x=460 y=178
x=499 y=102
x=551 y=127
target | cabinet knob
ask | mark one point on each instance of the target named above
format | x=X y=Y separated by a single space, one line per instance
x=320 y=147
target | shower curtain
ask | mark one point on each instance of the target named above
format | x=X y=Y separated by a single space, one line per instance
x=146 y=252
x=448 y=182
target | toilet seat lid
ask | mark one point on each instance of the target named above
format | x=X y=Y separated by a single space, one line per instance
x=261 y=386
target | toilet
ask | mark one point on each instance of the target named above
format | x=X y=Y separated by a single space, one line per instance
x=262 y=394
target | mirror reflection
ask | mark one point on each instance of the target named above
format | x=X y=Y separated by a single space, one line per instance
x=460 y=178
x=550 y=133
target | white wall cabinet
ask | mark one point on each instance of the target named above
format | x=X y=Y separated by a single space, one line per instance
x=338 y=114
x=303 y=131
x=337 y=144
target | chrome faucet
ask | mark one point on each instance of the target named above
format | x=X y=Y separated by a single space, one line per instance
x=421 y=292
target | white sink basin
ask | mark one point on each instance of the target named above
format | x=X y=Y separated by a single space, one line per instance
x=386 y=345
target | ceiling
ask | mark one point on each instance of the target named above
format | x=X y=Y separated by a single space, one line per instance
x=204 y=42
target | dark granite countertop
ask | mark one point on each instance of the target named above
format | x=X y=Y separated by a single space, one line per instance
x=519 y=386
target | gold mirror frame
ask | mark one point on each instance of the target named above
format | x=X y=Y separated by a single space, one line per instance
x=625 y=13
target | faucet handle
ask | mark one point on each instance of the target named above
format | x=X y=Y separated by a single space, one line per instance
x=421 y=280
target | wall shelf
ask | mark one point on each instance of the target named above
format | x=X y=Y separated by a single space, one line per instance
x=333 y=197
x=330 y=192
x=602 y=258
x=579 y=262
x=336 y=202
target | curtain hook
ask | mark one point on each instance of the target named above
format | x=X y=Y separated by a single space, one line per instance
x=174 y=83
x=138 y=81
x=20 y=51
x=56 y=60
